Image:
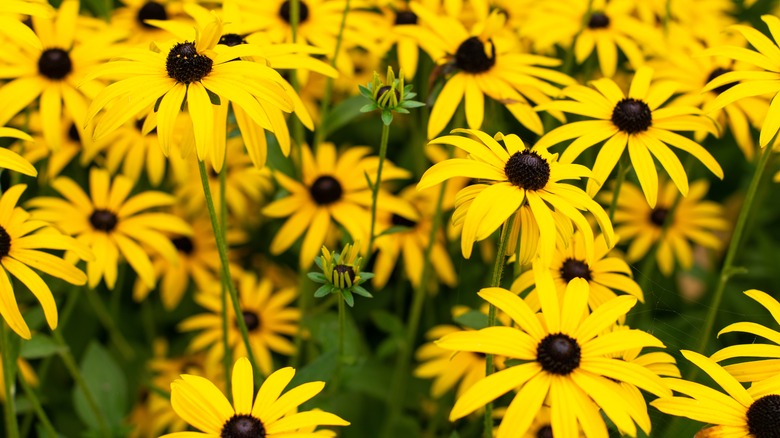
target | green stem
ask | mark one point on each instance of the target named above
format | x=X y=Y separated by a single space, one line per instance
x=70 y=364
x=342 y=329
x=304 y=304
x=227 y=356
x=377 y=182
x=9 y=379
x=400 y=378
x=325 y=104
x=37 y=407
x=227 y=279
x=104 y=316
x=621 y=176
x=728 y=270
x=495 y=281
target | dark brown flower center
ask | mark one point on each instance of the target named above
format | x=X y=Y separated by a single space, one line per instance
x=471 y=56
x=55 y=64
x=73 y=133
x=346 y=270
x=714 y=74
x=251 y=319
x=303 y=12
x=151 y=11
x=326 y=190
x=405 y=17
x=527 y=170
x=231 y=39
x=5 y=242
x=243 y=426
x=183 y=244
x=544 y=432
x=658 y=216
x=401 y=221
x=573 y=268
x=185 y=64
x=763 y=417
x=632 y=115
x=598 y=20
x=558 y=354
x=383 y=90
x=103 y=220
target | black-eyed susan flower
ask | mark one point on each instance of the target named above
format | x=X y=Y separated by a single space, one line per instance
x=333 y=189
x=112 y=224
x=566 y=359
x=754 y=370
x=610 y=29
x=640 y=123
x=407 y=238
x=520 y=175
x=54 y=72
x=201 y=404
x=691 y=71
x=484 y=64
x=604 y=274
x=739 y=413
x=21 y=242
x=130 y=149
x=749 y=83
x=197 y=264
x=341 y=274
x=319 y=22
x=196 y=73
x=135 y=16
x=693 y=220
x=266 y=311
x=389 y=96
x=235 y=32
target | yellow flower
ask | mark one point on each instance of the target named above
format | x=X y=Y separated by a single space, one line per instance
x=638 y=121
x=749 y=82
x=266 y=313
x=603 y=274
x=111 y=222
x=754 y=370
x=10 y=159
x=484 y=64
x=134 y=16
x=520 y=175
x=566 y=360
x=54 y=71
x=694 y=219
x=740 y=413
x=410 y=240
x=201 y=74
x=333 y=189
x=21 y=242
x=202 y=405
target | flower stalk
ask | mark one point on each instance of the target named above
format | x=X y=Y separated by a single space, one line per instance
x=227 y=279
x=9 y=378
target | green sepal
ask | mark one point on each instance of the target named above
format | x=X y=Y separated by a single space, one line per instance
x=368 y=108
x=323 y=290
x=361 y=291
x=317 y=277
x=387 y=117
x=348 y=298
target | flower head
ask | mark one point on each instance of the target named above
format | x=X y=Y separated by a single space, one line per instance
x=201 y=404
x=515 y=175
x=341 y=273
x=389 y=96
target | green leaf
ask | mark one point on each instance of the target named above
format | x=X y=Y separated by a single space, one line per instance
x=388 y=322
x=320 y=369
x=473 y=319
x=101 y=8
x=368 y=180
x=323 y=290
x=108 y=385
x=40 y=346
x=342 y=114
x=394 y=229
